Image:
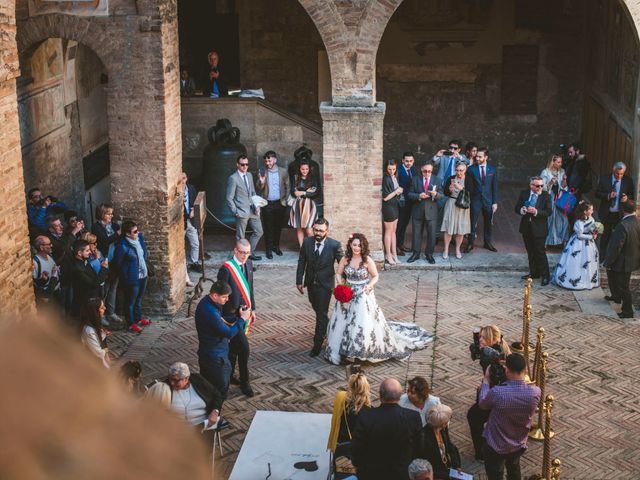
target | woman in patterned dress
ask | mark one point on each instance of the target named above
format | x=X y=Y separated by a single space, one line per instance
x=555 y=182
x=358 y=329
x=304 y=188
x=578 y=266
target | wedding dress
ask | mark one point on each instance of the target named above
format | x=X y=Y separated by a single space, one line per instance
x=358 y=329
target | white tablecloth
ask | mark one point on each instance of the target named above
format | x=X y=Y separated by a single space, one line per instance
x=281 y=439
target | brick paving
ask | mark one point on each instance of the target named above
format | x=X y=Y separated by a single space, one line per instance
x=593 y=362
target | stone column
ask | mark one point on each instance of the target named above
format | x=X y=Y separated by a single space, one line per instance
x=352 y=156
x=16 y=291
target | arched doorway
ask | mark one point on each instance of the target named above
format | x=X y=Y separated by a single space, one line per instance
x=62 y=103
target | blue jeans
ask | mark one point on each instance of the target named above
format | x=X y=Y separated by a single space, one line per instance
x=133 y=300
x=217 y=371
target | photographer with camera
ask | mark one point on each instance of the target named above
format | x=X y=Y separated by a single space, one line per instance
x=511 y=405
x=491 y=349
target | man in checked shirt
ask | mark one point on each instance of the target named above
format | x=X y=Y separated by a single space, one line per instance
x=512 y=406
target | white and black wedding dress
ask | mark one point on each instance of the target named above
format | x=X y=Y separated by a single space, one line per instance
x=578 y=267
x=358 y=330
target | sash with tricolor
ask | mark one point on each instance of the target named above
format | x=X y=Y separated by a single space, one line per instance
x=243 y=285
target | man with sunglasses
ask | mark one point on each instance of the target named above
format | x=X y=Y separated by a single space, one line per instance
x=240 y=189
x=534 y=206
x=446 y=160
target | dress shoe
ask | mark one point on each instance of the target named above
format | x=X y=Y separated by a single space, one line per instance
x=270 y=255
x=413 y=257
x=545 y=281
x=195 y=267
x=277 y=251
x=255 y=258
x=315 y=351
x=528 y=275
x=611 y=299
x=625 y=315
x=403 y=249
x=469 y=248
x=400 y=253
x=234 y=380
x=246 y=389
x=489 y=246
x=430 y=258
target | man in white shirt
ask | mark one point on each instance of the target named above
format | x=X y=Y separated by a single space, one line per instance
x=45 y=271
x=273 y=186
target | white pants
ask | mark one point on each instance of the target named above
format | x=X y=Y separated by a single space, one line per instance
x=193 y=250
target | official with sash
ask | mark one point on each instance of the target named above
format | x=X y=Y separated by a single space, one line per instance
x=238 y=273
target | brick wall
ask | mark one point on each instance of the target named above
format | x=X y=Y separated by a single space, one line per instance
x=16 y=292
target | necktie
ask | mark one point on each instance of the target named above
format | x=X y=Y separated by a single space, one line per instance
x=317 y=252
x=246 y=184
x=426 y=185
x=482 y=174
x=245 y=271
x=533 y=200
x=410 y=173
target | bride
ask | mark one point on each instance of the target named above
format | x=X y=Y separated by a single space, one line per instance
x=358 y=329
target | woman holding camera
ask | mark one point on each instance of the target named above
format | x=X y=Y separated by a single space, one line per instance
x=491 y=346
x=391 y=193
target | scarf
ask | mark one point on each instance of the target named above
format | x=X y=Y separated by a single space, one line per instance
x=142 y=265
x=336 y=418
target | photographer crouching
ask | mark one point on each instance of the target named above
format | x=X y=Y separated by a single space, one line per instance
x=511 y=405
x=491 y=349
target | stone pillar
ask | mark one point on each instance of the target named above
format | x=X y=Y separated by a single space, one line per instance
x=352 y=156
x=16 y=291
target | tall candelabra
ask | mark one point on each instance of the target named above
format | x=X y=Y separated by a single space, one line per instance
x=546 y=448
x=536 y=432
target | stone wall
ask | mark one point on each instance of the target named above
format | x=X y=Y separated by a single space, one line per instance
x=263 y=126
x=279 y=47
x=441 y=73
x=16 y=291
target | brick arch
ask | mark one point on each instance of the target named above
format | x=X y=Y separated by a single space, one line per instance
x=93 y=35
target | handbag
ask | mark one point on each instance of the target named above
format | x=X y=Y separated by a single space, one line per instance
x=464 y=199
x=290 y=200
x=566 y=202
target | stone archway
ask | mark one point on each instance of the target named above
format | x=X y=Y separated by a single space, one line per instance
x=138 y=46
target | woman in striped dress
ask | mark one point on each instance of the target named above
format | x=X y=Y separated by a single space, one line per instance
x=304 y=188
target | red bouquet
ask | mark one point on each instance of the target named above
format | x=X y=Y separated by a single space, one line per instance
x=343 y=293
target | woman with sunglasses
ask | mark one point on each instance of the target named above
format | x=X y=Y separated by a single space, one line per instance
x=130 y=260
x=456 y=219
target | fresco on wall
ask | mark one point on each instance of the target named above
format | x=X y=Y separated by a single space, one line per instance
x=82 y=8
x=40 y=114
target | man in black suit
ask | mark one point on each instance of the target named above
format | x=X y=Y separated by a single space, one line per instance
x=484 y=198
x=316 y=271
x=613 y=190
x=534 y=206
x=387 y=438
x=238 y=273
x=424 y=192
x=86 y=283
x=623 y=257
x=406 y=172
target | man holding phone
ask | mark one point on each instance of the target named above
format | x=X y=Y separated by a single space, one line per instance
x=273 y=186
x=238 y=273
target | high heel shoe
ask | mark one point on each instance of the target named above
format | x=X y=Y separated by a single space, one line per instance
x=390 y=261
x=458 y=255
x=445 y=256
x=395 y=258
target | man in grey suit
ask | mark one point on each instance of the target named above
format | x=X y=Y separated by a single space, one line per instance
x=273 y=186
x=318 y=255
x=240 y=189
x=424 y=192
x=623 y=257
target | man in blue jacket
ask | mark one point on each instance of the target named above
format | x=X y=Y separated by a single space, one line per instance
x=484 y=198
x=214 y=334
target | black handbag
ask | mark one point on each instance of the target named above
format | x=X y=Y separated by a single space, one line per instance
x=464 y=199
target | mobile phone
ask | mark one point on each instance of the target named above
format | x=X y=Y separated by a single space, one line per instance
x=263 y=172
x=447 y=153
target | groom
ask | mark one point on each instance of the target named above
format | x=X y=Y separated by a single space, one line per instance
x=316 y=266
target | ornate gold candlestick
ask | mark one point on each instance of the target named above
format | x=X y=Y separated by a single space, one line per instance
x=536 y=432
x=537 y=356
x=517 y=347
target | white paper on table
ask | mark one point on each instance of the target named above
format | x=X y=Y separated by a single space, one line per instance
x=212 y=426
x=458 y=475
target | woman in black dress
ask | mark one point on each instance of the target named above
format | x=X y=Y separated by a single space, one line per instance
x=391 y=194
x=304 y=189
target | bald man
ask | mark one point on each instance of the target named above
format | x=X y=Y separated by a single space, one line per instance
x=387 y=438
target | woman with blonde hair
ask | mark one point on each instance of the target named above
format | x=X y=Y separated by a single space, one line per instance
x=159 y=393
x=346 y=408
x=438 y=447
x=555 y=182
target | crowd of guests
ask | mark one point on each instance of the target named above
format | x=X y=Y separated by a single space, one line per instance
x=444 y=198
x=411 y=428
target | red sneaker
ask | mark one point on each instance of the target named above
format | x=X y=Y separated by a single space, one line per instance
x=144 y=322
x=135 y=328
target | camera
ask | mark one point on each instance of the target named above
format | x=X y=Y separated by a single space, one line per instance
x=448 y=153
x=489 y=357
x=474 y=348
x=497 y=374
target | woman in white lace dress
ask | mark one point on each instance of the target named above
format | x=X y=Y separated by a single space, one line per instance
x=578 y=265
x=358 y=329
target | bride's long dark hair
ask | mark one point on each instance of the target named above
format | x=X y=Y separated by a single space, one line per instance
x=364 y=248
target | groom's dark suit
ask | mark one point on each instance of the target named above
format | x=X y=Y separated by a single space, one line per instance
x=534 y=231
x=318 y=273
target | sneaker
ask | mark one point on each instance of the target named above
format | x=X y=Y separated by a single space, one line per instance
x=113 y=318
x=144 y=322
x=135 y=328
